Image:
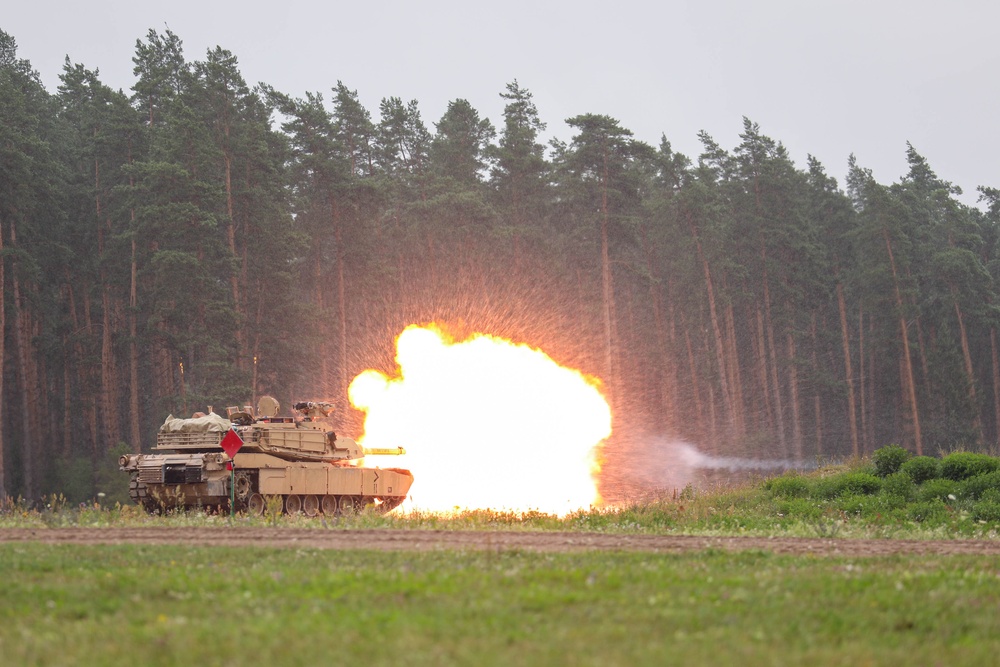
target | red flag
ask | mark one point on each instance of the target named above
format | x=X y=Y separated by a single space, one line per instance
x=231 y=443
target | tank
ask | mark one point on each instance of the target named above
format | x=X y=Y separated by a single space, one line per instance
x=297 y=463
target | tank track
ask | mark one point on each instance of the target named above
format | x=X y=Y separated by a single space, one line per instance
x=252 y=502
x=139 y=494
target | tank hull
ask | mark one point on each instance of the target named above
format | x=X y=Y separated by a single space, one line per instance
x=163 y=482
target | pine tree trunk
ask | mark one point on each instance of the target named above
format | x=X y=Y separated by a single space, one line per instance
x=735 y=378
x=969 y=372
x=26 y=397
x=772 y=357
x=135 y=430
x=716 y=329
x=668 y=390
x=343 y=371
x=234 y=282
x=817 y=403
x=793 y=390
x=996 y=387
x=319 y=303
x=871 y=387
x=607 y=289
x=862 y=380
x=921 y=347
x=109 y=389
x=696 y=386
x=764 y=394
x=67 y=416
x=135 y=434
x=910 y=389
x=848 y=370
x=84 y=390
x=109 y=384
x=3 y=358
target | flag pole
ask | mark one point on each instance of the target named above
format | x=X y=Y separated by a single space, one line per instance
x=232 y=487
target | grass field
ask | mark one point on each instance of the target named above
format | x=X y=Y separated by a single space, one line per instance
x=140 y=605
x=195 y=605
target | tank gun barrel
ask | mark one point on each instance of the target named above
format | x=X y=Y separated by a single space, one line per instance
x=383 y=451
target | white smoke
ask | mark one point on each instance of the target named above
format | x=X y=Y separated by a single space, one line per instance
x=661 y=465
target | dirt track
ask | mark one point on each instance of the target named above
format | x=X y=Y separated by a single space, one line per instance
x=430 y=540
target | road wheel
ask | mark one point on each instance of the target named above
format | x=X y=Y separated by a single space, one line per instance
x=256 y=505
x=310 y=505
x=293 y=504
x=349 y=505
x=329 y=505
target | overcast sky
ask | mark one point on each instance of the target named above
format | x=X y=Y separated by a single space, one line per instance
x=827 y=78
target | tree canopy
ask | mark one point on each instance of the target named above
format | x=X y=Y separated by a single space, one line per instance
x=203 y=242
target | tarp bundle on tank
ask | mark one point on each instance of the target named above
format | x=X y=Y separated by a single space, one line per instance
x=210 y=423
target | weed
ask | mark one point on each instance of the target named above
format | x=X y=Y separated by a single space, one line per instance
x=273 y=506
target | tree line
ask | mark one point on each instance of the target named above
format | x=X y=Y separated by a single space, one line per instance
x=202 y=242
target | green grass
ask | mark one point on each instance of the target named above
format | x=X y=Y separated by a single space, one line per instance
x=173 y=605
x=843 y=500
x=130 y=605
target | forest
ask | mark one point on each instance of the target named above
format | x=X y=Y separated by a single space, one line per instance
x=200 y=242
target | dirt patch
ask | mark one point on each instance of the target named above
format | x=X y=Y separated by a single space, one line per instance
x=432 y=540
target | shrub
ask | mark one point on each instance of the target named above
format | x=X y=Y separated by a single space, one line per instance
x=787 y=486
x=922 y=468
x=899 y=484
x=799 y=508
x=963 y=465
x=974 y=487
x=888 y=459
x=937 y=489
x=848 y=483
x=861 y=483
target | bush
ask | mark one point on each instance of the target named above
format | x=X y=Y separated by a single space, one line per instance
x=974 y=487
x=963 y=465
x=922 y=468
x=889 y=459
x=937 y=489
x=861 y=483
x=848 y=483
x=787 y=487
x=799 y=508
x=899 y=484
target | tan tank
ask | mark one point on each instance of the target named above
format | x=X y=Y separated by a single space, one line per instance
x=298 y=461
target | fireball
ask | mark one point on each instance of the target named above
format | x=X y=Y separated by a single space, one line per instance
x=486 y=424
